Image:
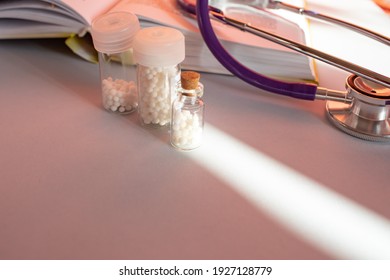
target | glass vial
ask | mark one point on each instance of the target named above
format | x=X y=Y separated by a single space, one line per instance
x=158 y=52
x=188 y=113
x=113 y=35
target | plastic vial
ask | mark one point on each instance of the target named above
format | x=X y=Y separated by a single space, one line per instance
x=188 y=113
x=158 y=52
x=113 y=35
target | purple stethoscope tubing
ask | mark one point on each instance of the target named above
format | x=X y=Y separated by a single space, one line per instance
x=304 y=91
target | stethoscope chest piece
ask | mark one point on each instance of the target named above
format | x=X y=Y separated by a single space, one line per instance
x=367 y=115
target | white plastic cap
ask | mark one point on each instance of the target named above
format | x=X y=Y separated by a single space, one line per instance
x=159 y=46
x=114 y=32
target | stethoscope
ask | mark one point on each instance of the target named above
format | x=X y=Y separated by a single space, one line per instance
x=363 y=110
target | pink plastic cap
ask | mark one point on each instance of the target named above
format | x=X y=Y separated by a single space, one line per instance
x=159 y=46
x=114 y=32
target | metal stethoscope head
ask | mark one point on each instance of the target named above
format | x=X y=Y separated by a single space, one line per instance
x=363 y=110
x=366 y=114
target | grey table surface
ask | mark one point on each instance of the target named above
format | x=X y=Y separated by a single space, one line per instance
x=272 y=180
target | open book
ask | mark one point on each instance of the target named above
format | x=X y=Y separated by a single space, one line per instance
x=71 y=19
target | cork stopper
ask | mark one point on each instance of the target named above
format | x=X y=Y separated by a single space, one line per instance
x=189 y=80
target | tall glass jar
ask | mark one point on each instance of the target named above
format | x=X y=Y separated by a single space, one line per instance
x=158 y=52
x=113 y=35
x=188 y=113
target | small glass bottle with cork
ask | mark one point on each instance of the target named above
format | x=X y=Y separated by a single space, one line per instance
x=187 y=121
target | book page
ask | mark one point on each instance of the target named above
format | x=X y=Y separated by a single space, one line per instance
x=164 y=12
x=168 y=13
x=16 y=29
x=38 y=19
x=89 y=9
x=27 y=18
